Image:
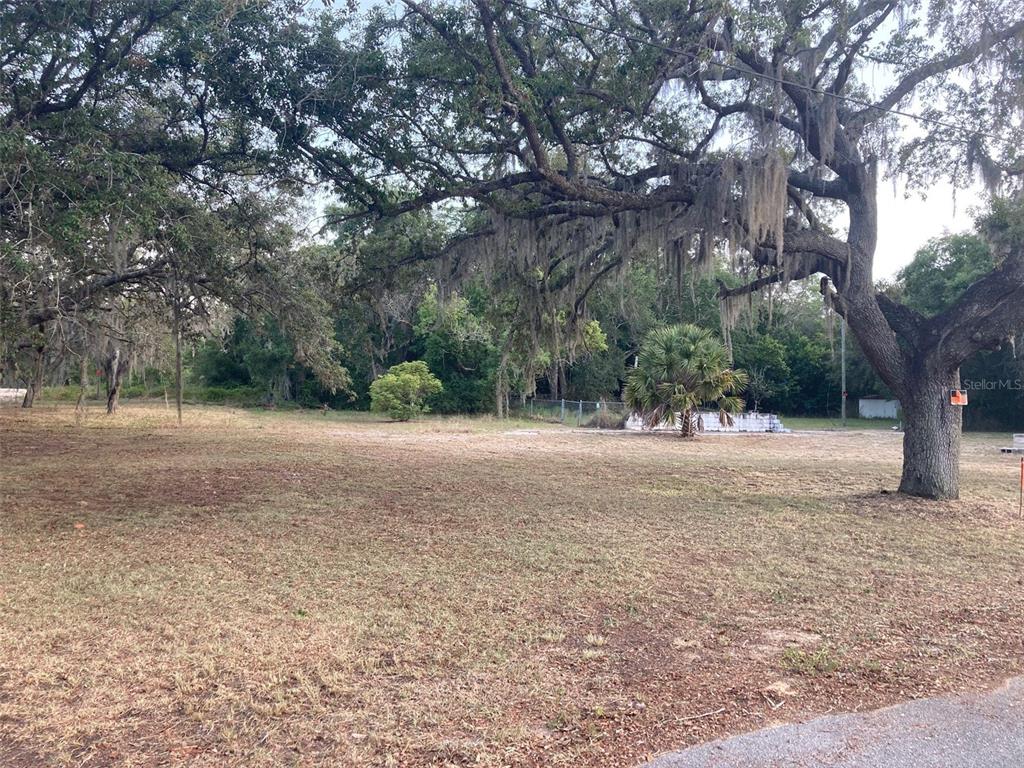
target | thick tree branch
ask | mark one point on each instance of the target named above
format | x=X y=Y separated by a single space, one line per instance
x=915 y=77
x=835 y=189
x=901 y=318
x=87 y=295
x=725 y=292
x=990 y=311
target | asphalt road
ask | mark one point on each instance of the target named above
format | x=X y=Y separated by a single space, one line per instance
x=983 y=730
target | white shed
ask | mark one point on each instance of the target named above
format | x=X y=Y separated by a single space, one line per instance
x=877 y=408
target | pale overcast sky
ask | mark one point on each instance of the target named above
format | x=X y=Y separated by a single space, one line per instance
x=905 y=224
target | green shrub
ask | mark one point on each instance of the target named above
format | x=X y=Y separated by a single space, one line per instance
x=605 y=419
x=68 y=394
x=242 y=395
x=400 y=393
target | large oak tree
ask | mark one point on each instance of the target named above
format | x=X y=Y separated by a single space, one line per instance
x=124 y=180
x=569 y=134
x=588 y=129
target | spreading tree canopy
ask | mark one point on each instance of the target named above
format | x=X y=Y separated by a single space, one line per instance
x=561 y=137
x=578 y=132
x=128 y=177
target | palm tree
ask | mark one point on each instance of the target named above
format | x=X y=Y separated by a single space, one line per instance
x=681 y=368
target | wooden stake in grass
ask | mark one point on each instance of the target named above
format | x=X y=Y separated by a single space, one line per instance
x=176 y=299
x=83 y=381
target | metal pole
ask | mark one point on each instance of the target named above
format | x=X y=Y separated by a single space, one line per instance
x=178 y=382
x=579 y=414
x=562 y=418
x=842 y=357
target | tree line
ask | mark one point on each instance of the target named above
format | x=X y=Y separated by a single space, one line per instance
x=162 y=163
x=788 y=350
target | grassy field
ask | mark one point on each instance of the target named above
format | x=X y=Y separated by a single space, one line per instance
x=798 y=423
x=261 y=589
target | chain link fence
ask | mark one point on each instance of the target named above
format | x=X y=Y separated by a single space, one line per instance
x=597 y=414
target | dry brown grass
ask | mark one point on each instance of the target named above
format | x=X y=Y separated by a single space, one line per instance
x=272 y=589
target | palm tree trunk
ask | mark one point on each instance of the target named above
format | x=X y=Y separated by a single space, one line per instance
x=686 y=423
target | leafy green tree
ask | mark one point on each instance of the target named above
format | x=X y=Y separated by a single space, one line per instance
x=598 y=376
x=682 y=368
x=128 y=185
x=458 y=346
x=943 y=270
x=402 y=392
x=940 y=274
x=759 y=387
x=764 y=357
x=812 y=369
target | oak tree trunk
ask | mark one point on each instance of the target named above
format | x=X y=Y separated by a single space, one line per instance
x=35 y=383
x=931 y=438
x=29 y=398
x=911 y=358
x=178 y=383
x=501 y=382
x=113 y=395
x=115 y=367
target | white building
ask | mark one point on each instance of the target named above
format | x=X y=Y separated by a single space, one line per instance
x=877 y=408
